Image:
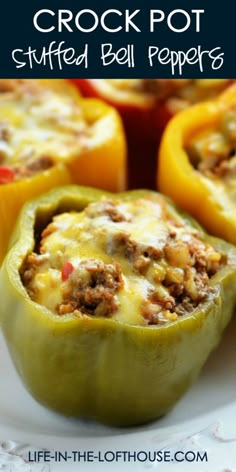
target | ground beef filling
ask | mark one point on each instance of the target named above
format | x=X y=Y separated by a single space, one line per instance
x=213 y=152
x=143 y=258
x=164 y=88
x=32 y=167
x=92 y=289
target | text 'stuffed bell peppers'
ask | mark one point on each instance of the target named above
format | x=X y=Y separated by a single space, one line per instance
x=197 y=163
x=49 y=136
x=146 y=106
x=108 y=360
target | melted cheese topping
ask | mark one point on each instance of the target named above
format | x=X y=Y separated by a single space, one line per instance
x=127 y=259
x=39 y=119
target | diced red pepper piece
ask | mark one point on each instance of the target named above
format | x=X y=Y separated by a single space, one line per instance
x=6 y=175
x=67 y=269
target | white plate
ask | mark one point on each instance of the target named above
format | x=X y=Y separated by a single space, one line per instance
x=204 y=420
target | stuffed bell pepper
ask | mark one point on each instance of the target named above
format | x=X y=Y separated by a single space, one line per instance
x=111 y=303
x=146 y=105
x=197 y=163
x=49 y=136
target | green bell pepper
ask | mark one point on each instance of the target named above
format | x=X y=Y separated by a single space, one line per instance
x=96 y=366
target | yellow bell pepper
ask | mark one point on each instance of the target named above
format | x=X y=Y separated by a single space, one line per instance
x=208 y=196
x=49 y=136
